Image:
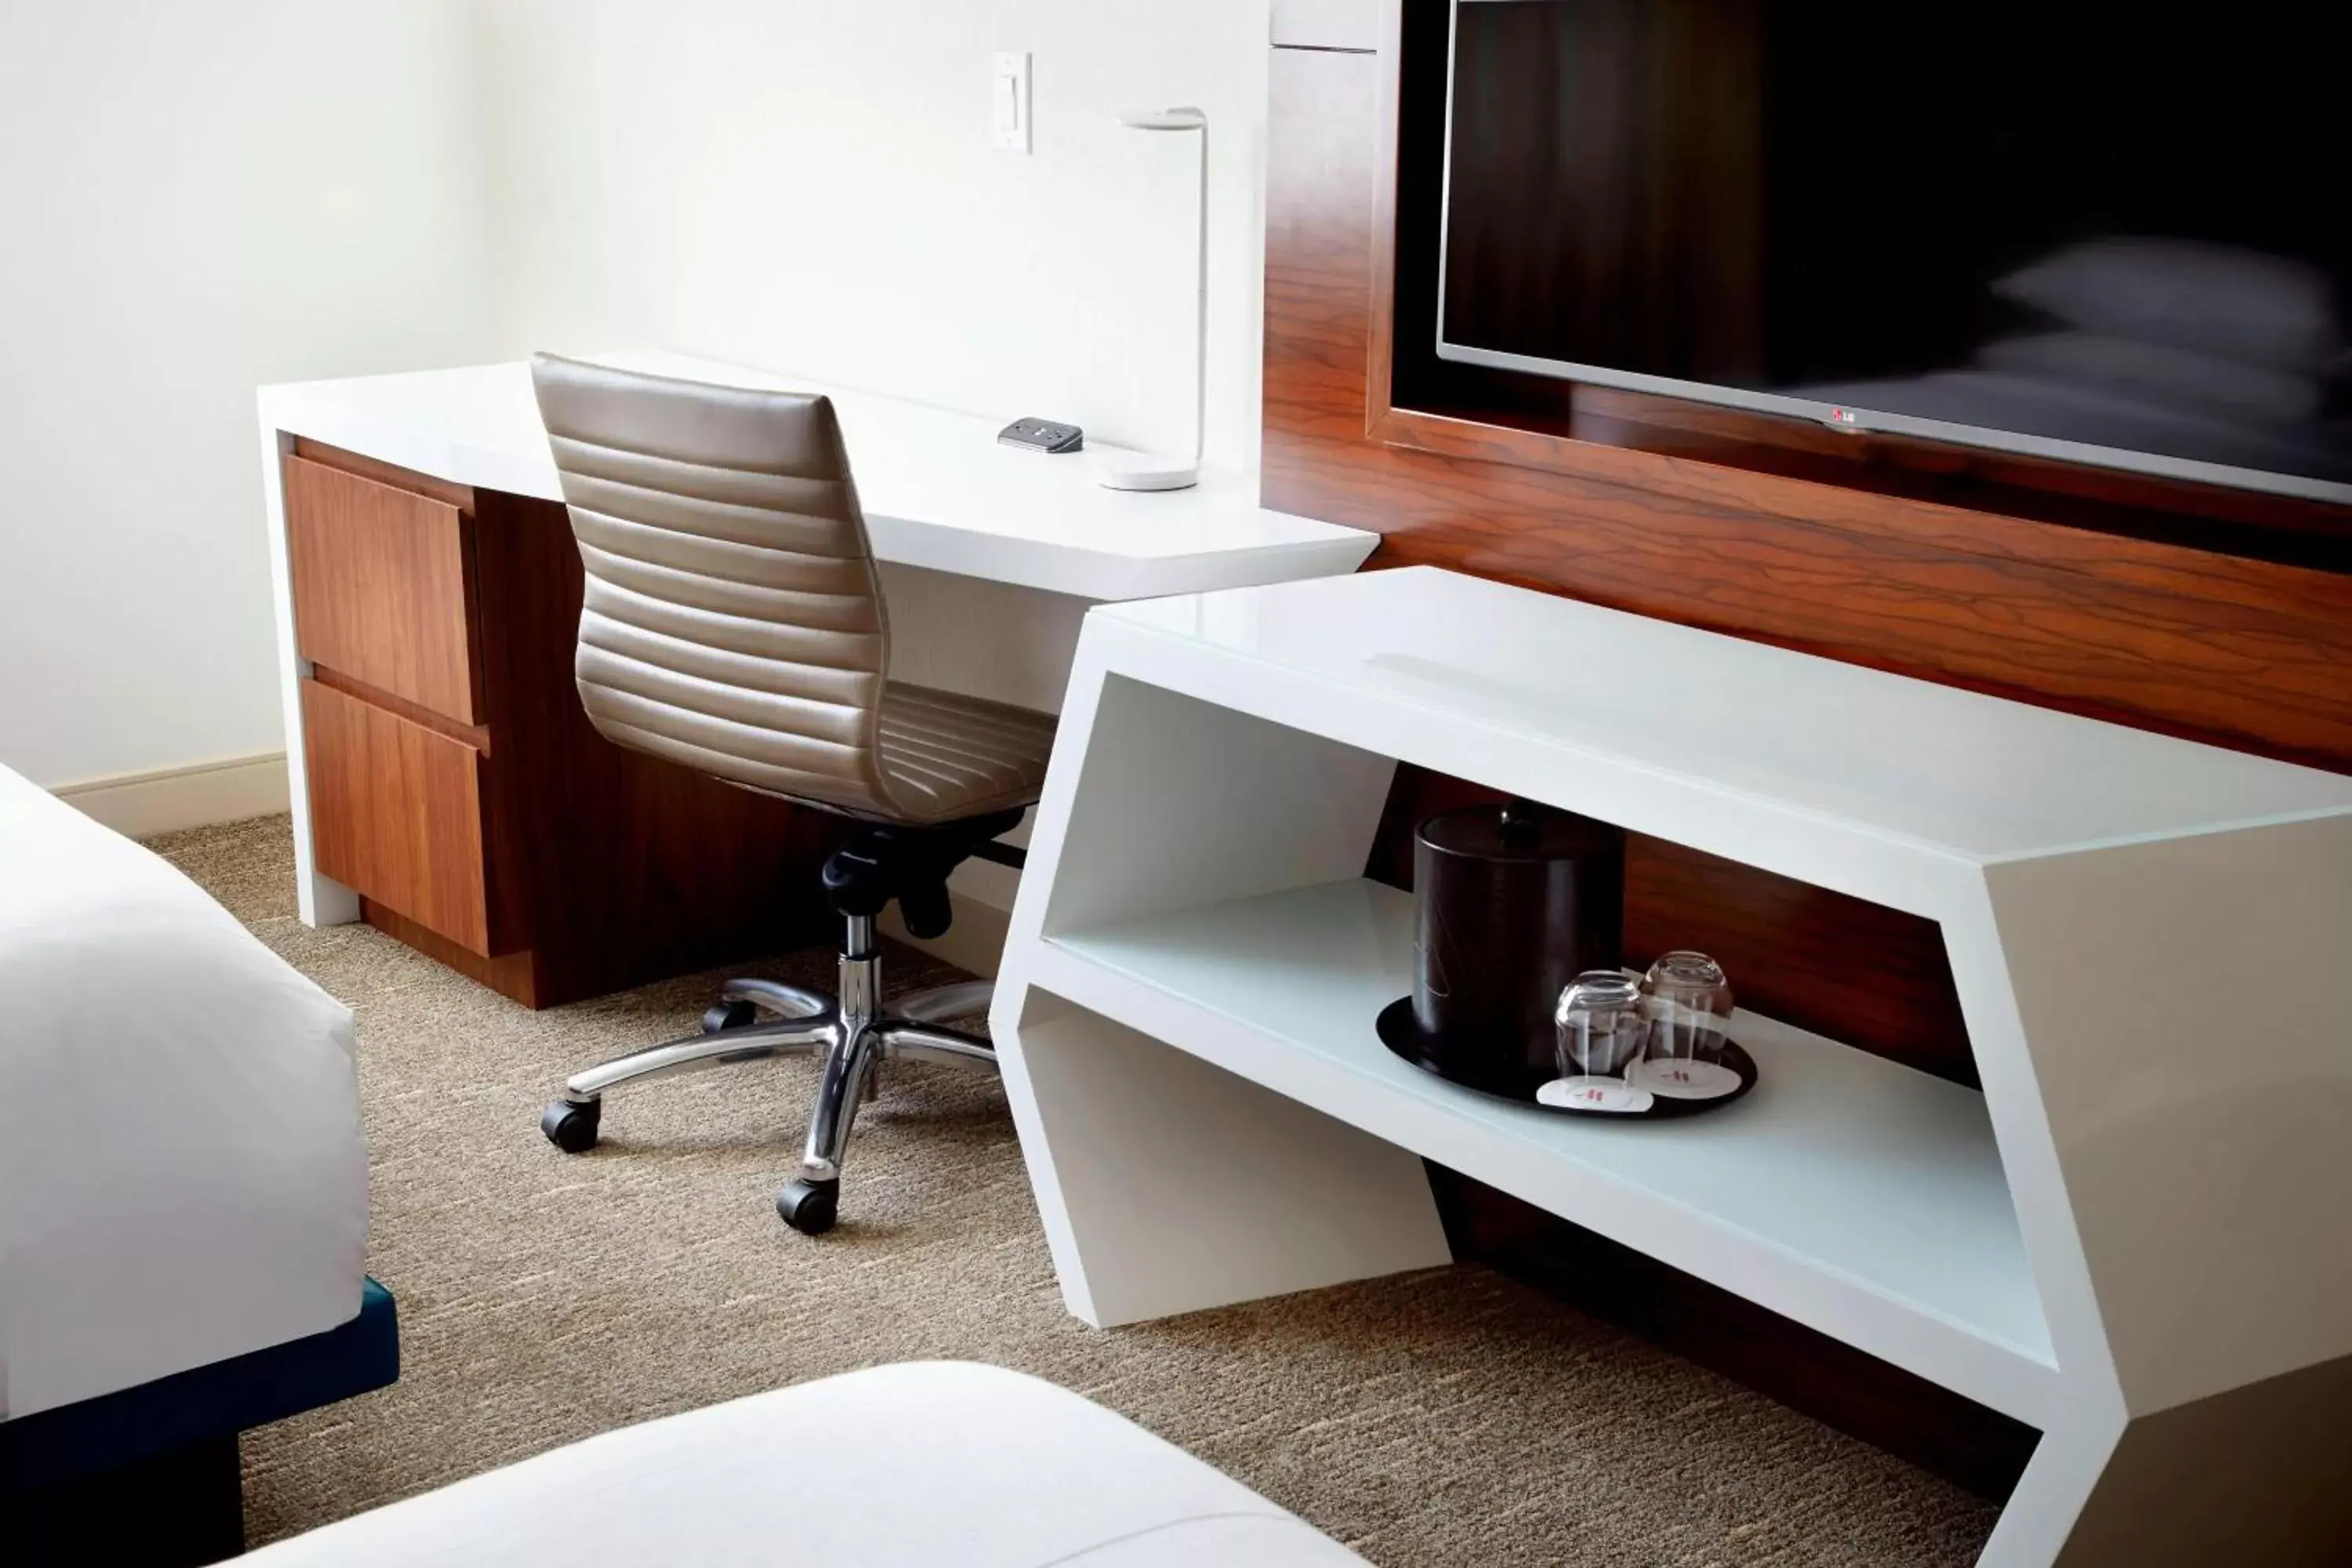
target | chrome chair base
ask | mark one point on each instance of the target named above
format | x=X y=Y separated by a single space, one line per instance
x=852 y=1031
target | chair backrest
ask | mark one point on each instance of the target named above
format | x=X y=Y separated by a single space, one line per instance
x=733 y=620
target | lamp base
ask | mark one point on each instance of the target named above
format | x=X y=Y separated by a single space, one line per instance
x=1121 y=470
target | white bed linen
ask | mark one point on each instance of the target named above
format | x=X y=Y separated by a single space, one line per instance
x=183 y=1176
x=921 y=1465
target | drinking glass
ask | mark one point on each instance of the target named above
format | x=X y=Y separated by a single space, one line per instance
x=1686 y=1001
x=1600 y=1034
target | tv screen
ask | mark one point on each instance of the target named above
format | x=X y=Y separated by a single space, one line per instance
x=2114 y=233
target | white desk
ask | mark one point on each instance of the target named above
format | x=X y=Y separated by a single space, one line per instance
x=938 y=490
x=940 y=496
x=2138 y=1237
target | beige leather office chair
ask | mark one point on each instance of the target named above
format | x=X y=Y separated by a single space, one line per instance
x=734 y=623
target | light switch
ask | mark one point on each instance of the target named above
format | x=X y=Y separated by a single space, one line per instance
x=1009 y=102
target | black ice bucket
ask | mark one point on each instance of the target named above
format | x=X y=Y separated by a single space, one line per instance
x=1512 y=901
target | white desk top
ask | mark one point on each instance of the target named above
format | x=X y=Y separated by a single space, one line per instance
x=1658 y=710
x=938 y=492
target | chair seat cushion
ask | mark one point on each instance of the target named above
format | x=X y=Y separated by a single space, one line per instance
x=946 y=757
x=924 y=1463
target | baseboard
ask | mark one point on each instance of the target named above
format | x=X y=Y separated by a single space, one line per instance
x=139 y=806
x=974 y=940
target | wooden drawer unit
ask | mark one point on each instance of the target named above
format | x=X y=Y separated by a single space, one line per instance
x=454 y=781
x=384 y=587
x=397 y=812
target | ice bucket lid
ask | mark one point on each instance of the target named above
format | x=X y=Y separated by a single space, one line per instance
x=1519 y=830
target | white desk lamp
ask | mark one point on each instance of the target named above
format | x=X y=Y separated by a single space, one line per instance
x=1122 y=470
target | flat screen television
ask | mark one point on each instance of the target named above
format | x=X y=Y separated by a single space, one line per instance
x=2119 y=234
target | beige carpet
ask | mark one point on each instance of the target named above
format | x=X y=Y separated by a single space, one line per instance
x=1451 y=1417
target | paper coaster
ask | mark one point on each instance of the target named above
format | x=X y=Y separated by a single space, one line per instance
x=1677 y=1079
x=1610 y=1094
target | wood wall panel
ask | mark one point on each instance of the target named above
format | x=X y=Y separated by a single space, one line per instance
x=384 y=586
x=1322 y=107
x=1856 y=970
x=2117 y=616
x=2237 y=653
x=2243 y=653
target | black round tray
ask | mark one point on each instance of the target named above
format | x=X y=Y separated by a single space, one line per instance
x=1400 y=1033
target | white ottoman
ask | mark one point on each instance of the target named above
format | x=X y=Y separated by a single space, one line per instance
x=932 y=1463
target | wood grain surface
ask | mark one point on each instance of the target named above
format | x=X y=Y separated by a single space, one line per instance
x=2195 y=611
x=448 y=491
x=2246 y=653
x=1416 y=400
x=565 y=866
x=478 y=736
x=630 y=867
x=384 y=586
x=396 y=809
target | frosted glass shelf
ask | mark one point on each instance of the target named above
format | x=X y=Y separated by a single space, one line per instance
x=1846 y=1191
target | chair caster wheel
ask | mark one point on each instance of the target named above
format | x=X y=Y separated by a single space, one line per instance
x=729 y=1015
x=809 y=1207
x=572 y=1126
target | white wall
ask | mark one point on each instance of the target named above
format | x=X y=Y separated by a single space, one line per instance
x=198 y=198
x=809 y=185
x=195 y=199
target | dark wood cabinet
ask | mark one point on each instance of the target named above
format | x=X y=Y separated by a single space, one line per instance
x=454 y=782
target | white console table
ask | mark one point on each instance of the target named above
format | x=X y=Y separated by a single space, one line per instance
x=2138 y=1237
